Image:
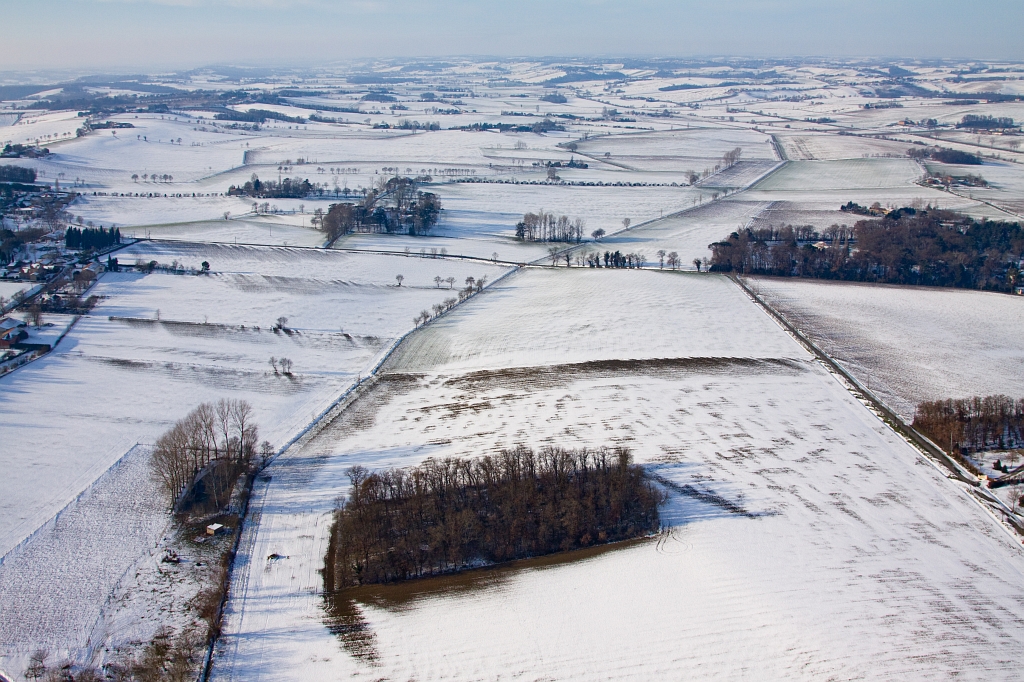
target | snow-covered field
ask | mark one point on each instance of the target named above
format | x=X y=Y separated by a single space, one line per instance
x=173 y=341
x=159 y=344
x=845 y=174
x=806 y=538
x=682 y=149
x=910 y=344
x=832 y=147
x=689 y=233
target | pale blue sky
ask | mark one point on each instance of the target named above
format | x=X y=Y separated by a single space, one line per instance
x=147 y=34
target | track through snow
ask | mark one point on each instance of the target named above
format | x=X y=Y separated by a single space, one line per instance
x=813 y=542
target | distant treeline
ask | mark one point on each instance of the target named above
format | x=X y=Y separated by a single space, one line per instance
x=91 y=237
x=973 y=424
x=976 y=122
x=256 y=116
x=286 y=189
x=451 y=514
x=929 y=247
x=17 y=174
x=545 y=126
x=394 y=206
x=942 y=155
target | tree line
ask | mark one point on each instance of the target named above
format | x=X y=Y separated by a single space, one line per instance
x=17 y=174
x=91 y=237
x=451 y=514
x=979 y=122
x=288 y=188
x=546 y=227
x=943 y=155
x=930 y=247
x=969 y=425
x=395 y=205
x=218 y=438
x=473 y=286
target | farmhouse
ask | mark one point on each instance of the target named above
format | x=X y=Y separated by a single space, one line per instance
x=11 y=332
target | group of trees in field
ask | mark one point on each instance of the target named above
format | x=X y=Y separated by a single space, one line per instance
x=979 y=122
x=450 y=514
x=91 y=238
x=929 y=247
x=968 y=425
x=217 y=441
x=613 y=259
x=288 y=188
x=546 y=227
x=474 y=285
x=943 y=155
x=731 y=157
x=17 y=174
x=671 y=259
x=395 y=205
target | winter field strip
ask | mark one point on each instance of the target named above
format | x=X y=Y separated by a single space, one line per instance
x=690 y=233
x=806 y=539
x=832 y=147
x=603 y=315
x=846 y=174
x=909 y=344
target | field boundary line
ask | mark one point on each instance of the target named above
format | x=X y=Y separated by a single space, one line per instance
x=915 y=438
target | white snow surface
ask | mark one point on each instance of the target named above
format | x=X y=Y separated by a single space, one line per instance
x=114 y=382
x=811 y=543
x=909 y=344
x=603 y=315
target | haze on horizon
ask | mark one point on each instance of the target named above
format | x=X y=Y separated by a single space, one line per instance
x=138 y=35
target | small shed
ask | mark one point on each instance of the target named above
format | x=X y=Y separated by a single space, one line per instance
x=214 y=528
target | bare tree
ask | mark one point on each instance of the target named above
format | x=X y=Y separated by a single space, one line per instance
x=625 y=223
x=450 y=281
x=286 y=367
x=36 y=664
x=437 y=281
x=399 y=279
x=273 y=363
x=281 y=322
x=661 y=258
x=34 y=315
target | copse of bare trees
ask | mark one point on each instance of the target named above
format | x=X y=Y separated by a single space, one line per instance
x=213 y=433
x=614 y=259
x=969 y=425
x=450 y=514
x=546 y=227
x=731 y=157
